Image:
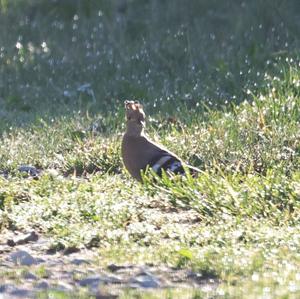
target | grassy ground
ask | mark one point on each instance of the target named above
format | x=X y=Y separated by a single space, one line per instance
x=222 y=84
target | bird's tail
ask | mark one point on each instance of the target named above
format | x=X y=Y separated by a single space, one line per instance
x=194 y=171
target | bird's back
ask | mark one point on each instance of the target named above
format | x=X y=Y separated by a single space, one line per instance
x=139 y=152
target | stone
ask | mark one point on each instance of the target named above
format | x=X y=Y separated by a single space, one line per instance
x=79 y=261
x=30 y=237
x=11 y=291
x=63 y=287
x=145 y=281
x=90 y=281
x=11 y=242
x=30 y=170
x=4 y=174
x=3 y=288
x=42 y=285
x=70 y=250
x=39 y=260
x=54 y=248
x=114 y=267
x=94 y=242
x=23 y=258
x=20 y=293
x=23 y=239
x=29 y=276
x=111 y=279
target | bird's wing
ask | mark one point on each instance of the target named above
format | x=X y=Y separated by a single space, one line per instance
x=163 y=159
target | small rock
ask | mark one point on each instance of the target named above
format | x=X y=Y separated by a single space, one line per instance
x=55 y=248
x=144 y=271
x=90 y=281
x=114 y=268
x=42 y=285
x=70 y=250
x=79 y=262
x=108 y=279
x=3 y=288
x=22 y=293
x=200 y=276
x=23 y=258
x=30 y=237
x=4 y=174
x=94 y=242
x=30 y=170
x=55 y=263
x=11 y=242
x=29 y=276
x=11 y=291
x=63 y=287
x=145 y=281
x=39 y=260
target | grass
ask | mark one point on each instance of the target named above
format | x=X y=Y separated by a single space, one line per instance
x=233 y=111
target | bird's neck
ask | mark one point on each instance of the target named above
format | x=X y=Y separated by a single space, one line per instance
x=135 y=130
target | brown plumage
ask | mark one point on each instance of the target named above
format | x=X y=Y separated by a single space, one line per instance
x=138 y=152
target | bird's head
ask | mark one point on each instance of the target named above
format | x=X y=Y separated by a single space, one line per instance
x=135 y=116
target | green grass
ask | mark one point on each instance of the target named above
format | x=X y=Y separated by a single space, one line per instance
x=168 y=53
x=220 y=83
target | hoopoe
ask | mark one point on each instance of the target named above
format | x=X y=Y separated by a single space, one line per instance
x=140 y=153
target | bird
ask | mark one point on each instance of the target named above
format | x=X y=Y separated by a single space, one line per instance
x=139 y=153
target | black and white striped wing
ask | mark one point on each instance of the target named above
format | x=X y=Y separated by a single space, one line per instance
x=168 y=163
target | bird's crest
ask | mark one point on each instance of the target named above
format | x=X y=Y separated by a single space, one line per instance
x=133 y=105
x=134 y=111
